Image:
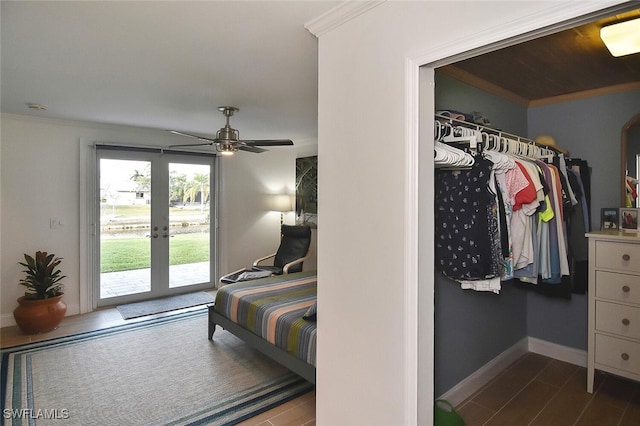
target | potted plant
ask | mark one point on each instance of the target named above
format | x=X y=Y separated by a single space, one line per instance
x=41 y=308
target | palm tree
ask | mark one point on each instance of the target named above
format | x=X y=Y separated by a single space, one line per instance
x=198 y=185
x=142 y=179
x=177 y=184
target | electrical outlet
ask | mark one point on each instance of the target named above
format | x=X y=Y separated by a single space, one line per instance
x=55 y=223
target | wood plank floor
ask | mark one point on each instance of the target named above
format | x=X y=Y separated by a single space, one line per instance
x=535 y=390
x=298 y=412
x=541 y=391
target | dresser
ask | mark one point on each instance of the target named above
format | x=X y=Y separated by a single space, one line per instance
x=614 y=305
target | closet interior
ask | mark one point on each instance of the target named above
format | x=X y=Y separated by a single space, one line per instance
x=526 y=284
x=508 y=207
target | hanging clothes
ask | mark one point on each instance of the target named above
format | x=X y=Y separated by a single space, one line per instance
x=631 y=191
x=512 y=218
x=466 y=222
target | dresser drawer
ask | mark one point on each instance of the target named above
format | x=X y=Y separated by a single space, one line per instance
x=618 y=319
x=618 y=353
x=614 y=286
x=621 y=256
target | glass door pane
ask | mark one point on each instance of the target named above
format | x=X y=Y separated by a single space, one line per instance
x=125 y=221
x=189 y=224
x=155 y=229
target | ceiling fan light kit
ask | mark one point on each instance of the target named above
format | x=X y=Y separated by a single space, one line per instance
x=226 y=149
x=622 y=38
x=227 y=140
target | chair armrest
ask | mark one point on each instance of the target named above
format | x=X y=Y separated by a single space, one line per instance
x=255 y=263
x=285 y=270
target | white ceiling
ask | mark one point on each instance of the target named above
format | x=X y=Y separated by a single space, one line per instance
x=165 y=65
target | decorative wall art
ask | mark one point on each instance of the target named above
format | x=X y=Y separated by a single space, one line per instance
x=307 y=191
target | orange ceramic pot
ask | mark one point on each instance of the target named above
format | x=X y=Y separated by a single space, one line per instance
x=39 y=315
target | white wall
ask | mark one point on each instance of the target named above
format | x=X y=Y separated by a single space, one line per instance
x=367 y=365
x=248 y=226
x=40 y=179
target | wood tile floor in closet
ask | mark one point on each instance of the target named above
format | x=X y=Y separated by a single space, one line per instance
x=541 y=391
x=297 y=412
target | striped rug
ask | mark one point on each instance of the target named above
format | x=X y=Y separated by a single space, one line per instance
x=157 y=372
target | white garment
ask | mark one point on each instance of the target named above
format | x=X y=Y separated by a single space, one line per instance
x=522 y=240
x=492 y=285
x=523 y=250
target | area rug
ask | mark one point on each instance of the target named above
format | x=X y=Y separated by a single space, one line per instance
x=165 y=304
x=157 y=372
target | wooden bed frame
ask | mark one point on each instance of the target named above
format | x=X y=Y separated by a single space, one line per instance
x=293 y=363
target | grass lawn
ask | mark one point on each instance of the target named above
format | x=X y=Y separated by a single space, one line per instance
x=123 y=254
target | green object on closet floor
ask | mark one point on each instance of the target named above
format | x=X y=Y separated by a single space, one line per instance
x=445 y=415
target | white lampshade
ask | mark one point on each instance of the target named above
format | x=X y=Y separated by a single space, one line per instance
x=622 y=38
x=282 y=203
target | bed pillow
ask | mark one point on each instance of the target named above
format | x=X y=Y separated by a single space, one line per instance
x=311 y=313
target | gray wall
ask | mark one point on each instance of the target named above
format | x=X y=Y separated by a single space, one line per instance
x=503 y=114
x=471 y=328
x=590 y=129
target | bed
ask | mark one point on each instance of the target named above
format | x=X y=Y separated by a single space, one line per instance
x=274 y=315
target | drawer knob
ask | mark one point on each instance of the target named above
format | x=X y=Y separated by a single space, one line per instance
x=625 y=321
x=626 y=288
x=626 y=257
x=625 y=356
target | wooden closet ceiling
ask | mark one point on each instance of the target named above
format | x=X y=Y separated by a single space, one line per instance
x=569 y=64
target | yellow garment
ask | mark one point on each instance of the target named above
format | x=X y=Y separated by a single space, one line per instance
x=548 y=213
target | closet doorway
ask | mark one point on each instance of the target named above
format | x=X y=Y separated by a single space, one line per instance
x=471 y=344
x=155 y=235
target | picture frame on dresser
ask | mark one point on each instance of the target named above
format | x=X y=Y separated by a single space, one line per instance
x=609 y=218
x=629 y=220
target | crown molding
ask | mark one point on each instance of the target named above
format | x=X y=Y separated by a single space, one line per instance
x=342 y=13
x=601 y=91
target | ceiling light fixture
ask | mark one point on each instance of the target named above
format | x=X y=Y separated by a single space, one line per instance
x=226 y=149
x=622 y=38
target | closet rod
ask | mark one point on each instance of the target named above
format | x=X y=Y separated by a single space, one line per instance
x=480 y=127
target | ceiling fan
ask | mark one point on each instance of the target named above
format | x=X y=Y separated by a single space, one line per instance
x=227 y=140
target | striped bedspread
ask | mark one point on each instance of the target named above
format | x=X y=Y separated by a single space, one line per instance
x=273 y=308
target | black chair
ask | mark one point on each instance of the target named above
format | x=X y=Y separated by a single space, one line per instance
x=292 y=252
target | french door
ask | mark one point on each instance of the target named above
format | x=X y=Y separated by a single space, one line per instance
x=156 y=233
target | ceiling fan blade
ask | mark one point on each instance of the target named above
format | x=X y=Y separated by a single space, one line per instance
x=251 y=149
x=182 y=145
x=269 y=142
x=202 y=138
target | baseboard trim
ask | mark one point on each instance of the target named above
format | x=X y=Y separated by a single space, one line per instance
x=559 y=352
x=487 y=372
x=484 y=374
